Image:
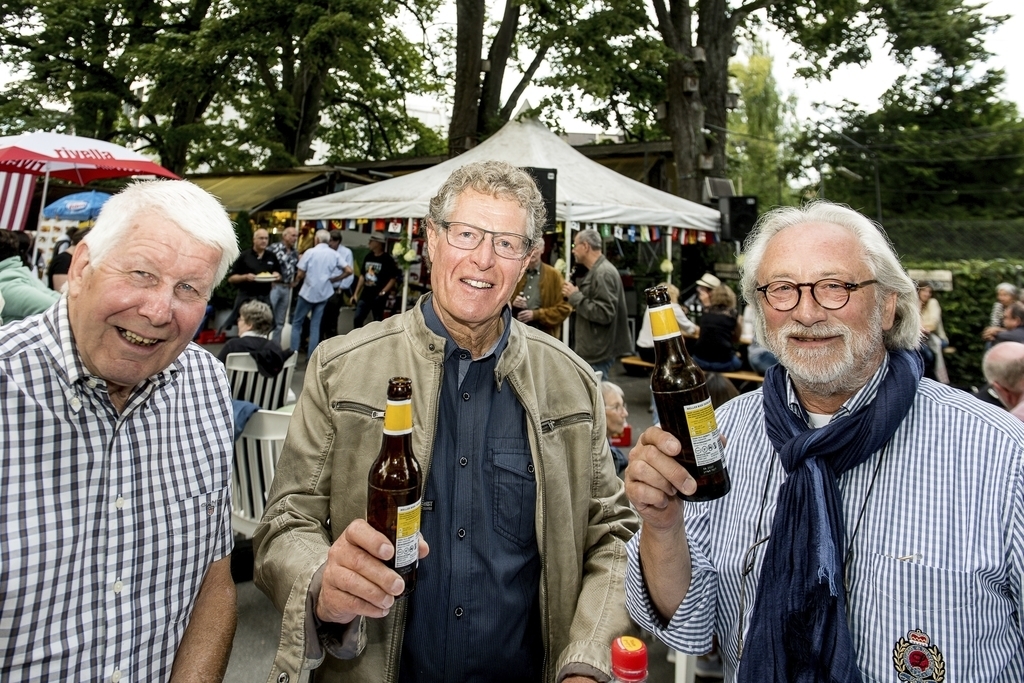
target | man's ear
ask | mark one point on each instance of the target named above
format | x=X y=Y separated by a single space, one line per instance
x=80 y=261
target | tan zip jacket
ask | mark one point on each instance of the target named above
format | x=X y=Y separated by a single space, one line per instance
x=583 y=520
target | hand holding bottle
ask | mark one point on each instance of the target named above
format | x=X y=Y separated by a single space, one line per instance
x=356 y=580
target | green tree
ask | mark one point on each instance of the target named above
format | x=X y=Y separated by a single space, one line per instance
x=230 y=86
x=761 y=131
x=698 y=39
x=945 y=145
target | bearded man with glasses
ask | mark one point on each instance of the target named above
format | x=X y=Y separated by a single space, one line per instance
x=875 y=527
x=525 y=517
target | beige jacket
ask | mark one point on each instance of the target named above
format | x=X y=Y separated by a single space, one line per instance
x=582 y=518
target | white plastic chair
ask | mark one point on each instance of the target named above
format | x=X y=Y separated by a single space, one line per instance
x=256 y=453
x=247 y=384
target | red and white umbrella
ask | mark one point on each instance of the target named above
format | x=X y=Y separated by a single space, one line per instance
x=70 y=157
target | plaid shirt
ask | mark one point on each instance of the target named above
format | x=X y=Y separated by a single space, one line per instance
x=107 y=522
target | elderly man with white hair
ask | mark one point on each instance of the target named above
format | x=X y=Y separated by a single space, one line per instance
x=115 y=528
x=875 y=527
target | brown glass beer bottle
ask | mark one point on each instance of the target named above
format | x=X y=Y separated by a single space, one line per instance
x=395 y=486
x=683 y=401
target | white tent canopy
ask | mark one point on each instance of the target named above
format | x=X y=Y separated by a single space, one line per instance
x=586 y=191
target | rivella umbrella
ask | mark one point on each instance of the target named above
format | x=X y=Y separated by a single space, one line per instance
x=81 y=206
x=69 y=157
x=73 y=158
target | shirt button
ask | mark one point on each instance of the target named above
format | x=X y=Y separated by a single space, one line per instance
x=116 y=676
x=463 y=461
x=462 y=533
x=529 y=468
x=465 y=397
x=458 y=612
x=463 y=356
x=119 y=503
x=91 y=383
x=118 y=587
x=76 y=403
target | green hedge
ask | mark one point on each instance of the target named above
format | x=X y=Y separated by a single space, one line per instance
x=966 y=309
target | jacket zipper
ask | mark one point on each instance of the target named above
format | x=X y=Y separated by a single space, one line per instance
x=361 y=408
x=547 y=426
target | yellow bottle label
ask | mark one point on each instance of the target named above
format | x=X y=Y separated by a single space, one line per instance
x=631 y=644
x=707 y=448
x=398 y=417
x=663 y=322
x=407 y=535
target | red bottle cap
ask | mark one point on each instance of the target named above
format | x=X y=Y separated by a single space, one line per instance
x=629 y=659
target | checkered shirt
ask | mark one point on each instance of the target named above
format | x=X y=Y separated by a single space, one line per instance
x=107 y=522
x=934 y=570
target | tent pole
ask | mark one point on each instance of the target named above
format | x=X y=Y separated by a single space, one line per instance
x=39 y=224
x=405 y=280
x=668 y=252
x=568 y=262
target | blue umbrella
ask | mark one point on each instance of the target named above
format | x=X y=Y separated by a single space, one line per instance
x=81 y=206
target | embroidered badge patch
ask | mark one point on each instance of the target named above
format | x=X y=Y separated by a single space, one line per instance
x=916 y=660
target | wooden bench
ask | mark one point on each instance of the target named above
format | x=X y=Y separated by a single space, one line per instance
x=743 y=376
x=635 y=365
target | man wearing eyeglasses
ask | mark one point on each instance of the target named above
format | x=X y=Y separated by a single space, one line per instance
x=525 y=518
x=875 y=527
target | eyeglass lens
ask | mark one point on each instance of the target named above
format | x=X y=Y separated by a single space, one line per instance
x=506 y=244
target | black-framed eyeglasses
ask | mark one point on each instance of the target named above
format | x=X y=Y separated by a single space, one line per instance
x=830 y=294
x=508 y=245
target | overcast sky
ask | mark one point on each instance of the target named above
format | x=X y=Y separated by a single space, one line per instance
x=864 y=85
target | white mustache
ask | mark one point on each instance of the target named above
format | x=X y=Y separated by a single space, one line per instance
x=816 y=331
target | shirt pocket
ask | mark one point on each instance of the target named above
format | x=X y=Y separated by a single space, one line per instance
x=195 y=525
x=515 y=494
x=925 y=621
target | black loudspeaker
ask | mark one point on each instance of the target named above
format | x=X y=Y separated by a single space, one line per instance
x=738 y=216
x=545 y=179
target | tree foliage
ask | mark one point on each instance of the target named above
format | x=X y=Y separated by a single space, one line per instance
x=945 y=145
x=698 y=39
x=762 y=130
x=219 y=83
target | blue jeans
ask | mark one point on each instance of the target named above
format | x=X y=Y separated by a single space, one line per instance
x=279 y=298
x=302 y=309
x=603 y=367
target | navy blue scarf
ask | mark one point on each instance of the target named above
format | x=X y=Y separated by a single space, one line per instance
x=798 y=631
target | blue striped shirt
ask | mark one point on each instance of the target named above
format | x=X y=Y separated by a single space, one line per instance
x=934 y=571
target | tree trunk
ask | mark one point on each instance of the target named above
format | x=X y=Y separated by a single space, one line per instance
x=715 y=34
x=685 y=109
x=489 y=117
x=462 y=132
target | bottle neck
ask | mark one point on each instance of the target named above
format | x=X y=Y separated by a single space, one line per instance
x=398 y=417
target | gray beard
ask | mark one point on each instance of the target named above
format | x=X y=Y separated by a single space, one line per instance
x=826 y=372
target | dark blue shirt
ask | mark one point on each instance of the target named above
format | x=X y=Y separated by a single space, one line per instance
x=475 y=614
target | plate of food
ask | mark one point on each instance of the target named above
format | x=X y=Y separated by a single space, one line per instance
x=265 y=277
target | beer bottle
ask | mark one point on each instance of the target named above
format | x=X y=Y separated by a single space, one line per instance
x=683 y=401
x=395 y=486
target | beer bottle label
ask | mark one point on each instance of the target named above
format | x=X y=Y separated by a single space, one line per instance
x=663 y=322
x=398 y=417
x=700 y=417
x=407 y=534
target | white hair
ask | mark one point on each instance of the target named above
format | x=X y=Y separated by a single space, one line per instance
x=194 y=210
x=322 y=236
x=879 y=253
